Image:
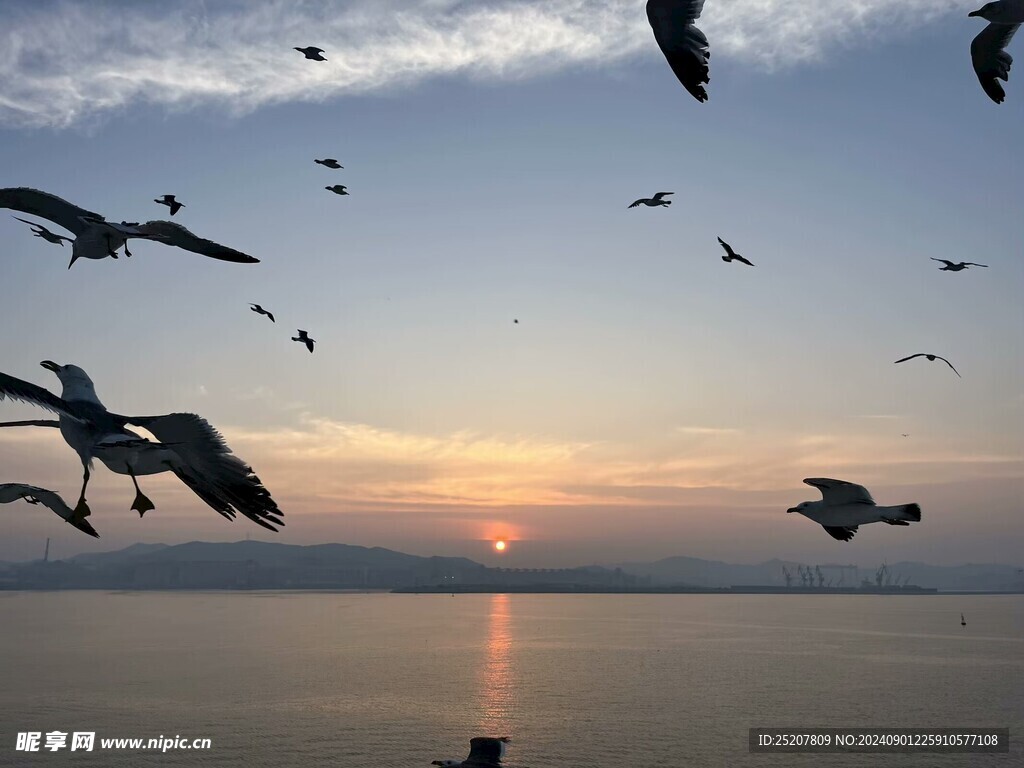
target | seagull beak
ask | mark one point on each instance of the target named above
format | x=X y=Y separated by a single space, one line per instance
x=974 y=13
x=50 y=365
x=791 y=509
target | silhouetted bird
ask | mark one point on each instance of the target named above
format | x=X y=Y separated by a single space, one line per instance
x=954 y=267
x=933 y=358
x=991 y=62
x=329 y=162
x=905 y=434
x=13 y=491
x=846 y=506
x=338 y=189
x=40 y=231
x=303 y=338
x=97 y=238
x=685 y=46
x=653 y=202
x=261 y=311
x=963 y=621
x=484 y=752
x=516 y=321
x=189 y=447
x=171 y=203
x=312 y=53
x=731 y=255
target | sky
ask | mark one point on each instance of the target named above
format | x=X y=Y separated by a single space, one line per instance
x=652 y=400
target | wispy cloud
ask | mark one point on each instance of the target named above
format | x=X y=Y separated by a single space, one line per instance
x=67 y=61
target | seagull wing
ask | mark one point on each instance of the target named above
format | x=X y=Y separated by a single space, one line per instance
x=743 y=260
x=46 y=206
x=949 y=364
x=271 y=316
x=685 y=46
x=911 y=357
x=991 y=61
x=485 y=752
x=16 y=389
x=947 y=262
x=169 y=233
x=13 y=491
x=662 y=195
x=211 y=470
x=843 y=534
x=638 y=202
x=975 y=264
x=728 y=248
x=839 y=492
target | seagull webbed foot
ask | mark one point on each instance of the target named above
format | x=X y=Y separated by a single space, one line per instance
x=81 y=509
x=142 y=504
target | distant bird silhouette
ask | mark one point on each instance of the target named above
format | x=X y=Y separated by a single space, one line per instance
x=731 y=255
x=685 y=47
x=846 y=506
x=516 y=321
x=303 y=337
x=13 y=491
x=654 y=202
x=170 y=202
x=40 y=231
x=963 y=621
x=991 y=62
x=312 y=53
x=933 y=358
x=484 y=752
x=338 y=189
x=329 y=162
x=956 y=267
x=905 y=434
x=261 y=311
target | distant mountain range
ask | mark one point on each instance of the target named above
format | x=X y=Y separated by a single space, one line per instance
x=265 y=565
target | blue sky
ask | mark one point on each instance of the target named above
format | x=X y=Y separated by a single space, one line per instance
x=652 y=400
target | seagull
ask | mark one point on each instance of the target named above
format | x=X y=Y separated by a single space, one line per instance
x=189 y=447
x=14 y=491
x=97 y=238
x=330 y=162
x=653 y=202
x=685 y=46
x=40 y=231
x=312 y=53
x=963 y=621
x=991 y=62
x=170 y=202
x=484 y=752
x=731 y=255
x=338 y=189
x=845 y=506
x=904 y=434
x=933 y=358
x=957 y=267
x=261 y=311
x=303 y=337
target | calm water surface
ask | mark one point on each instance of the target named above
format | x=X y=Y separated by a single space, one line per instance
x=395 y=681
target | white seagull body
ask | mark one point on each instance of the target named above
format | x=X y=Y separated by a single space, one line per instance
x=189 y=447
x=845 y=506
x=988 y=55
x=14 y=491
x=97 y=238
x=484 y=752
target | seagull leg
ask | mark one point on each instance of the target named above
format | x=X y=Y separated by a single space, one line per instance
x=126 y=251
x=110 y=251
x=142 y=504
x=82 y=508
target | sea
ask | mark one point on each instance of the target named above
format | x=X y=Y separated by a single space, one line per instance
x=378 y=680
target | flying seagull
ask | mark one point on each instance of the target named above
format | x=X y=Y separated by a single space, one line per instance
x=312 y=53
x=338 y=189
x=97 y=238
x=963 y=621
x=653 y=202
x=329 y=162
x=14 y=491
x=988 y=55
x=170 y=202
x=933 y=358
x=40 y=231
x=303 y=338
x=956 y=267
x=731 y=255
x=685 y=46
x=261 y=311
x=189 y=447
x=845 y=506
x=484 y=752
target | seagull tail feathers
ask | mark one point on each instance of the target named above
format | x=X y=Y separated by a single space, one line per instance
x=906 y=513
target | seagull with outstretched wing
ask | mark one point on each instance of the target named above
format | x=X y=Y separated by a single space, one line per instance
x=845 y=506
x=312 y=53
x=953 y=266
x=303 y=338
x=685 y=47
x=97 y=238
x=261 y=311
x=658 y=201
x=188 y=446
x=932 y=358
x=40 y=231
x=731 y=255
x=15 y=491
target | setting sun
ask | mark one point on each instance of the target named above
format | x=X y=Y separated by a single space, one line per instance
x=500 y=545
